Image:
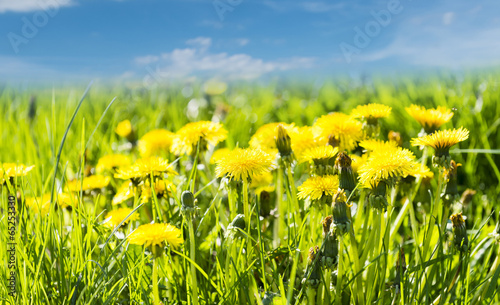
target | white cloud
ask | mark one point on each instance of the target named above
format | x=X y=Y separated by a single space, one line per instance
x=32 y=5
x=438 y=47
x=448 y=18
x=198 y=59
x=242 y=42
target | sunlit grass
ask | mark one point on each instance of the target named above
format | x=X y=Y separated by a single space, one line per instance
x=393 y=246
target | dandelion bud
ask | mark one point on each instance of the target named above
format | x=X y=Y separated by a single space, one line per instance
x=238 y=222
x=188 y=203
x=32 y=108
x=395 y=137
x=329 y=255
x=347 y=181
x=450 y=192
x=459 y=232
x=467 y=196
x=341 y=223
x=236 y=225
x=284 y=144
x=313 y=271
x=265 y=203
x=378 y=198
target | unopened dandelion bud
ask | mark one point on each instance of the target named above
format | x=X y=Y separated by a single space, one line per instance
x=188 y=201
x=450 y=192
x=284 y=144
x=460 y=239
x=395 y=137
x=265 y=203
x=312 y=276
x=235 y=226
x=238 y=222
x=378 y=197
x=341 y=223
x=467 y=196
x=329 y=255
x=347 y=180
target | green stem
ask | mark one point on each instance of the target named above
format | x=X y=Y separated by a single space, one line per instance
x=192 y=256
x=436 y=207
x=156 y=295
x=357 y=266
x=279 y=206
x=340 y=270
x=328 y=279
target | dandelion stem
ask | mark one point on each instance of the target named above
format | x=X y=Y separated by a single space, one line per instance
x=279 y=206
x=192 y=256
x=340 y=270
x=156 y=295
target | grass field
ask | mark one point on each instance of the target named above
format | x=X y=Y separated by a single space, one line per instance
x=390 y=240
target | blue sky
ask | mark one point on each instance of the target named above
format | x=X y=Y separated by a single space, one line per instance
x=242 y=39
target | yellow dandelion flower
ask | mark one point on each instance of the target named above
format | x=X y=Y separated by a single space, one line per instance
x=321 y=154
x=144 y=167
x=378 y=145
x=162 y=188
x=66 y=199
x=12 y=170
x=358 y=161
x=262 y=182
x=371 y=111
x=302 y=139
x=156 y=234
x=442 y=140
x=40 y=205
x=420 y=170
x=384 y=166
x=89 y=183
x=430 y=119
x=339 y=128
x=111 y=162
x=124 y=129
x=219 y=154
x=115 y=217
x=155 y=142
x=242 y=164
x=317 y=187
x=214 y=87
x=263 y=138
x=124 y=193
x=186 y=139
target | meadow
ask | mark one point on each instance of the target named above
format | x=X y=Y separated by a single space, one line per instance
x=380 y=191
